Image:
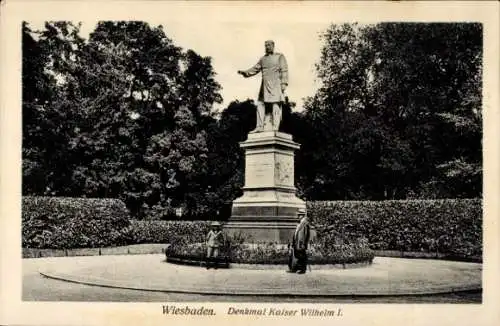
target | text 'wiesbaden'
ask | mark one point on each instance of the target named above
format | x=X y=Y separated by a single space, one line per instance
x=186 y=310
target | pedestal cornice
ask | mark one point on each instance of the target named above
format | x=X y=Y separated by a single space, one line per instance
x=269 y=139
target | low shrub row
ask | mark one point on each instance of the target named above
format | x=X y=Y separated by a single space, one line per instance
x=451 y=226
x=325 y=250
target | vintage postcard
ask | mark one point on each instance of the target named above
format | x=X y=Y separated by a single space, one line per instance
x=176 y=162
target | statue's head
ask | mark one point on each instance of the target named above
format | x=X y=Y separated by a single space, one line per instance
x=269 y=45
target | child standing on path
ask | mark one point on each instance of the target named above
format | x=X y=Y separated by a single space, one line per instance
x=215 y=239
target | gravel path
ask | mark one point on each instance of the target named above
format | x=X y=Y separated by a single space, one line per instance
x=387 y=276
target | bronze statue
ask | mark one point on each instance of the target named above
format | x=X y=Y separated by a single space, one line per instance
x=272 y=88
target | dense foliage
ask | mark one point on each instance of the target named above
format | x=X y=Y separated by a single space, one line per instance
x=123 y=114
x=452 y=227
x=64 y=223
x=128 y=114
x=398 y=114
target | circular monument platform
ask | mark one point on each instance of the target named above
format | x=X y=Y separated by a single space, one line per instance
x=386 y=276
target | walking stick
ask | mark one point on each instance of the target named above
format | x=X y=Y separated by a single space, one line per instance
x=203 y=255
x=308 y=264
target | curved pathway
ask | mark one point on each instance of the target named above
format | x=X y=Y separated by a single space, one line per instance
x=385 y=277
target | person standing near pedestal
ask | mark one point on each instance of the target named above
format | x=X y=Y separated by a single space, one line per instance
x=274 y=70
x=215 y=240
x=300 y=241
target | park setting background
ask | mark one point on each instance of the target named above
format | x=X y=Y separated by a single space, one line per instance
x=390 y=138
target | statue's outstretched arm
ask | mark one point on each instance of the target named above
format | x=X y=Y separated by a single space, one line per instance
x=252 y=71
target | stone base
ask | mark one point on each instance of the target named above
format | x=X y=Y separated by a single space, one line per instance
x=265 y=232
x=265 y=215
x=258 y=232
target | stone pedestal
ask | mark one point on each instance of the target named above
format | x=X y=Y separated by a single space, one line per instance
x=267 y=211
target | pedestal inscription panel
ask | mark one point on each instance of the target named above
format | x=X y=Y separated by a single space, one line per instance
x=259 y=170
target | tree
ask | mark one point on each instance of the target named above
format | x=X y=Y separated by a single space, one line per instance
x=387 y=112
x=170 y=94
x=36 y=87
x=226 y=158
x=429 y=74
x=47 y=119
x=133 y=109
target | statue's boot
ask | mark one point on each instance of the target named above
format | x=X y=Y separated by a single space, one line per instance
x=256 y=130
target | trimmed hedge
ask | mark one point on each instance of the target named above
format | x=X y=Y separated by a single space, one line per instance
x=64 y=223
x=450 y=226
x=157 y=231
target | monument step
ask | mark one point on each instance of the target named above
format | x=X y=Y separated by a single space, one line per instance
x=277 y=187
x=260 y=231
x=265 y=218
x=264 y=211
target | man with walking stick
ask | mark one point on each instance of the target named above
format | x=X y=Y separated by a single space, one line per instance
x=298 y=254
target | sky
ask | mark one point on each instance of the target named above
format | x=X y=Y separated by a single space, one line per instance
x=233 y=33
x=237 y=46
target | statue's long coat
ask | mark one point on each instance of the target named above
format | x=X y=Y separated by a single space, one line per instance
x=274 y=73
